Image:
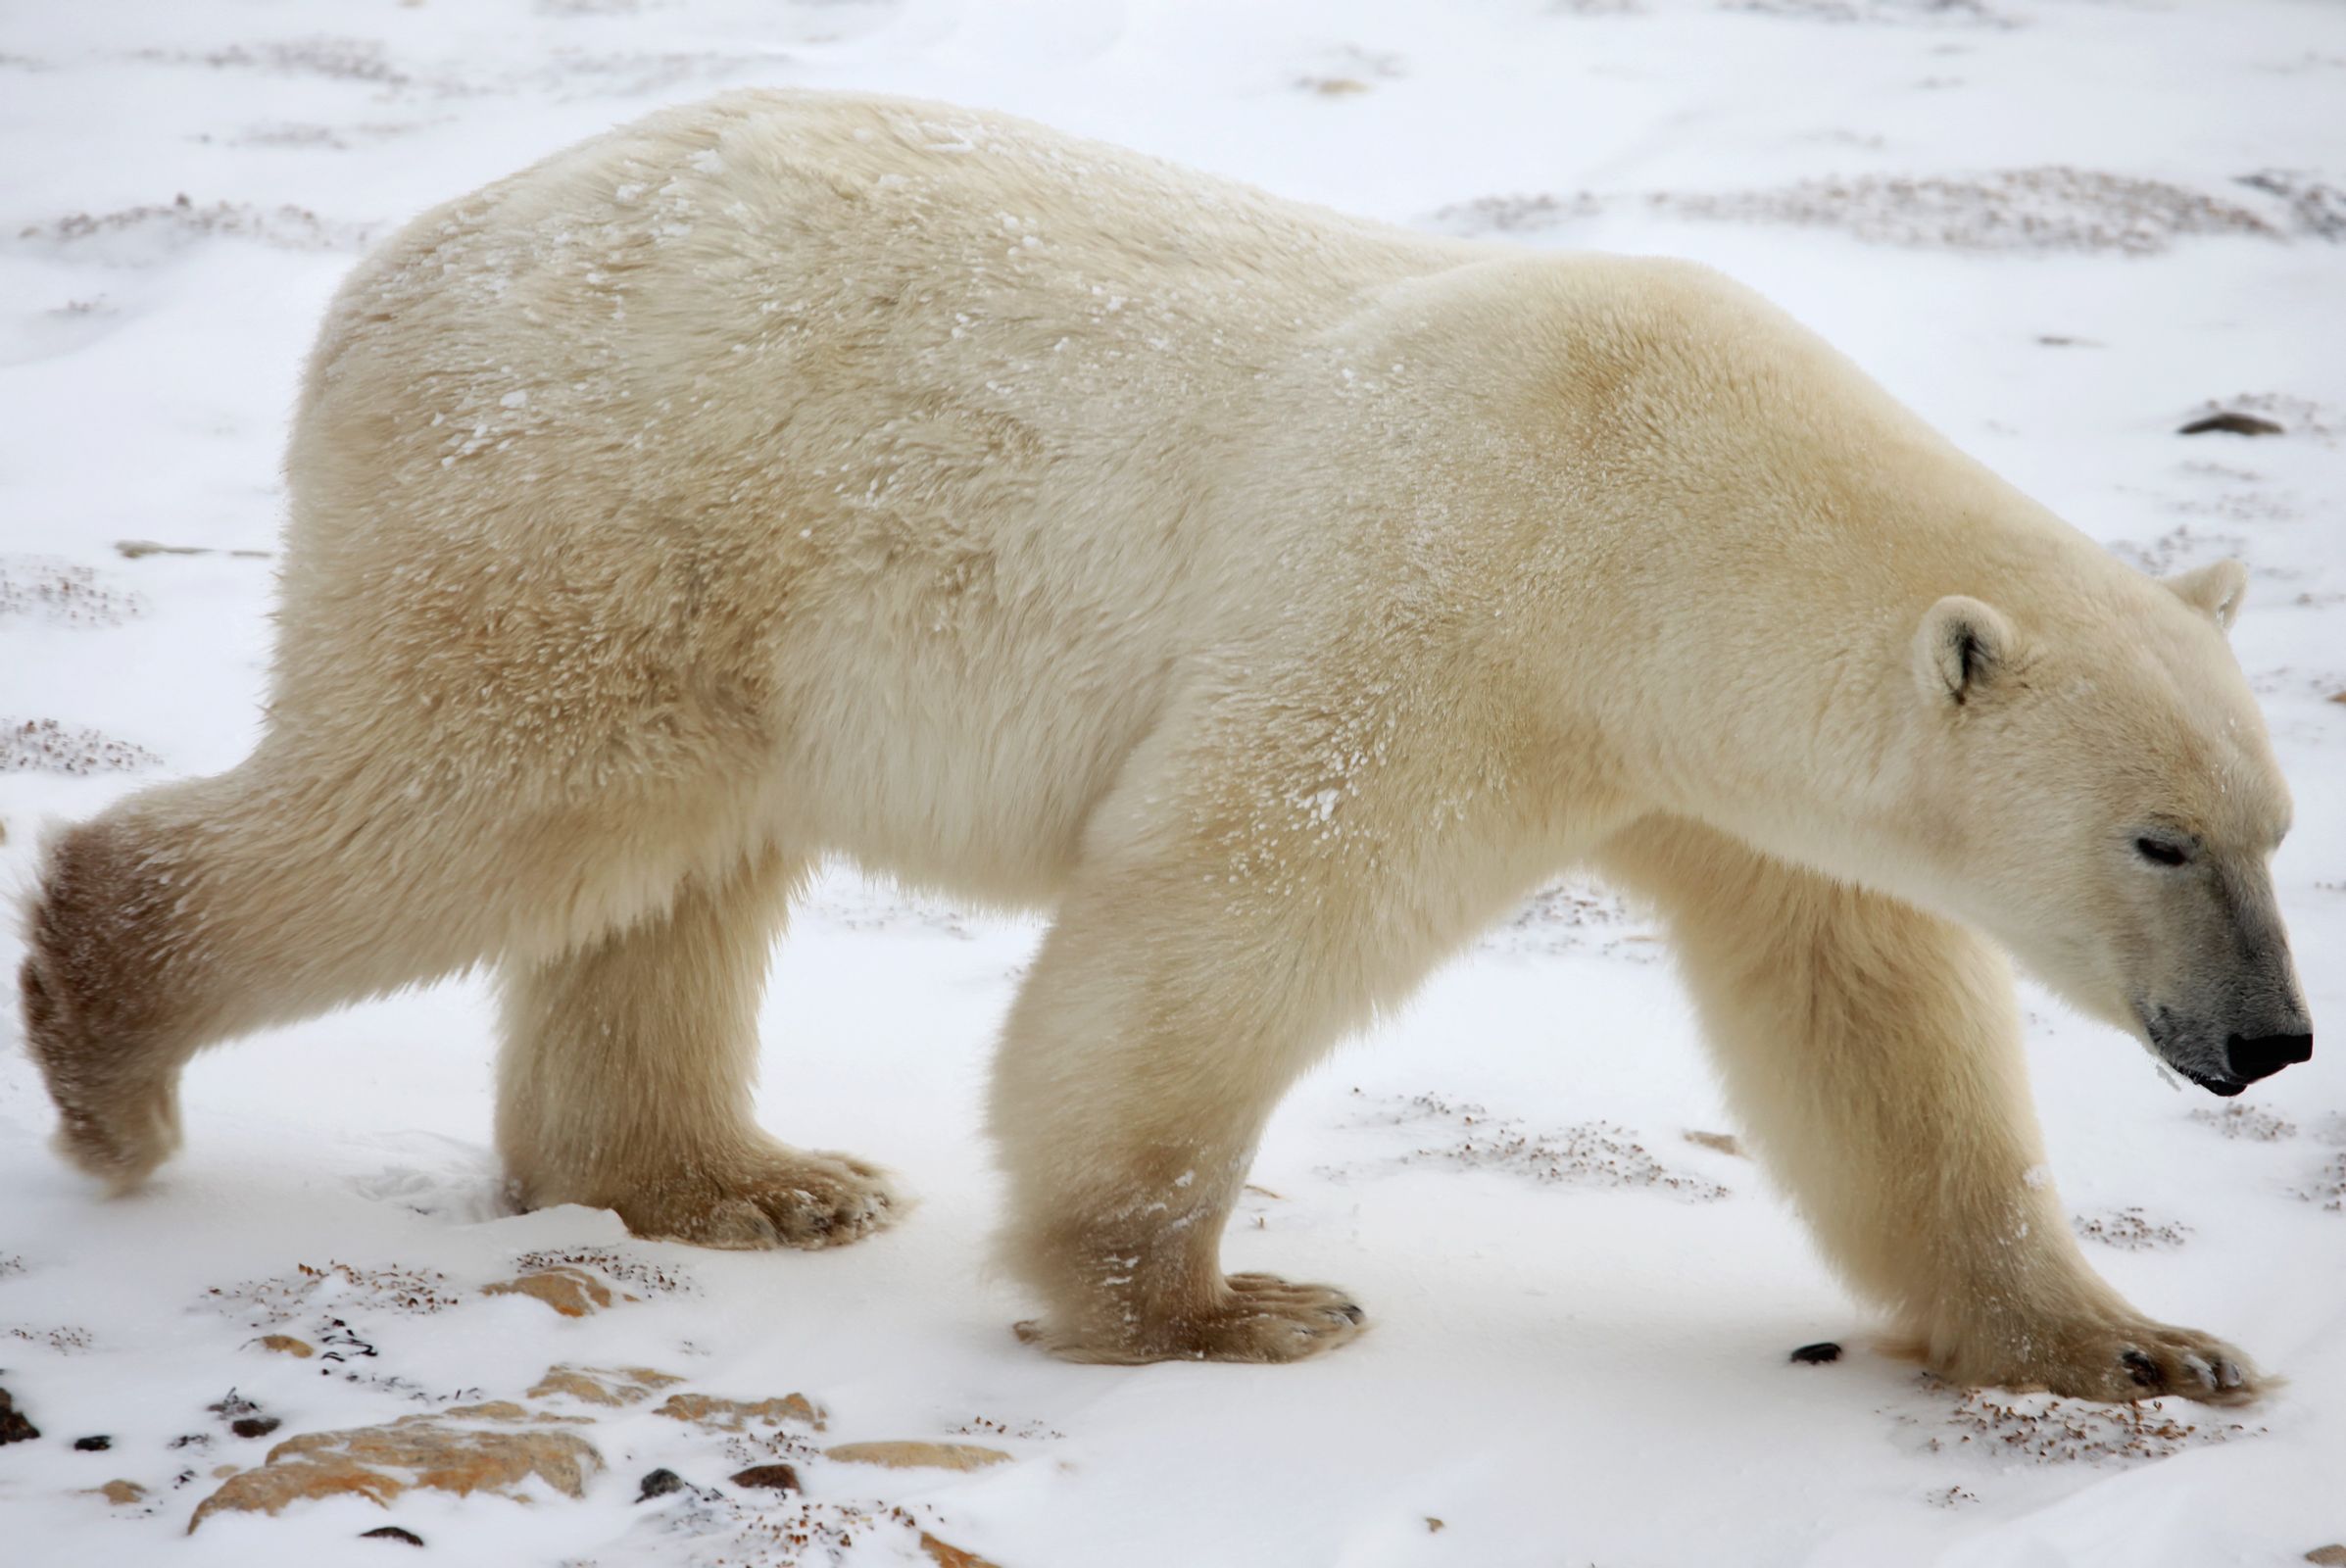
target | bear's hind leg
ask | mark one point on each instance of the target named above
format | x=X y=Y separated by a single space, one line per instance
x=626 y=1078
x=1873 y=1050
x=199 y=910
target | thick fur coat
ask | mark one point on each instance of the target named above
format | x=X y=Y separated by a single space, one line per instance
x=1279 y=597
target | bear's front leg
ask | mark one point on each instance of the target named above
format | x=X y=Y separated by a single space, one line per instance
x=1873 y=1050
x=1234 y=916
x=1153 y=1035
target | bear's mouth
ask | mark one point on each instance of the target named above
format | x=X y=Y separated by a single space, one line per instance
x=2227 y=1087
x=2159 y=1033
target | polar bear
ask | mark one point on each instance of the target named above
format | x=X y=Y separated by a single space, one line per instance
x=1279 y=597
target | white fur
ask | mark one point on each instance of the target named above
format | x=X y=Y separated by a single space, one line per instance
x=1278 y=595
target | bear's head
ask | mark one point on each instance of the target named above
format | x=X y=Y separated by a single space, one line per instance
x=2093 y=785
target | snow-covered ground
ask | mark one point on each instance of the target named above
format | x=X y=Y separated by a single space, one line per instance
x=2058 y=228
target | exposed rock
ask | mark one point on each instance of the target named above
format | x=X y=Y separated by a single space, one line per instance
x=1725 y=1143
x=735 y=1415
x=2332 y=1555
x=287 y=1344
x=917 y=1455
x=2233 y=422
x=571 y=1292
x=599 y=1385
x=438 y=1451
x=658 y=1484
x=254 y=1426
x=949 y=1556
x=221 y=1472
x=1821 y=1354
x=391 y=1532
x=120 y=1492
x=771 y=1477
x=14 y=1427
x=93 y=1444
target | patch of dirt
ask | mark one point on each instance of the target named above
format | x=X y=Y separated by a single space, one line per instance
x=654 y=1279
x=2315 y=207
x=361 y=60
x=43 y=745
x=2043 y=209
x=2178 y=547
x=1025 y=1432
x=63 y=593
x=2328 y=1187
x=64 y=1341
x=2043 y=1429
x=298 y=134
x=1517 y=214
x=2130 y=1230
x=1592 y=1153
x=1565 y=916
x=1935 y=13
x=2245 y=1122
x=132 y=236
x=343 y=1287
x=789 y=1529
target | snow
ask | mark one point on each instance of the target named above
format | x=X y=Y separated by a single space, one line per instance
x=2030 y=219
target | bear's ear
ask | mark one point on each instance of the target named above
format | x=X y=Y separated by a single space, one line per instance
x=1963 y=646
x=2214 y=591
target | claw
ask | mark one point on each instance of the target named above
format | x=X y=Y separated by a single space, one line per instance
x=2142 y=1369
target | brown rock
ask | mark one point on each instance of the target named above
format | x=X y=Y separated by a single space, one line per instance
x=1725 y=1143
x=14 y=1427
x=287 y=1344
x=772 y=1476
x=2330 y=1557
x=508 y=1410
x=599 y=1385
x=734 y=1416
x=417 y=1451
x=221 y=1472
x=254 y=1426
x=917 y=1455
x=946 y=1557
x=571 y=1292
x=120 y=1492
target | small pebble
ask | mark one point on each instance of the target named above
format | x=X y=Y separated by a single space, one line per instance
x=773 y=1477
x=253 y=1426
x=98 y=1444
x=1821 y=1353
x=391 y=1532
x=2234 y=424
x=658 y=1484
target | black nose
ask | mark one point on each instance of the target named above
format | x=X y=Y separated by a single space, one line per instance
x=2266 y=1054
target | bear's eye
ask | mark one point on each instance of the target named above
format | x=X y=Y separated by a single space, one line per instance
x=2162 y=852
